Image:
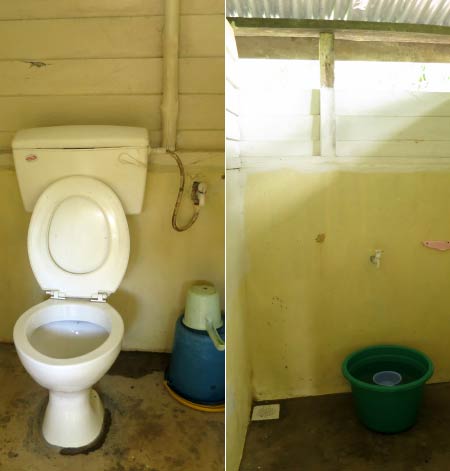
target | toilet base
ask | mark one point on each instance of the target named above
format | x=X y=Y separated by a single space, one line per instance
x=73 y=419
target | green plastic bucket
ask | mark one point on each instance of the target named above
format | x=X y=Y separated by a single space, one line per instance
x=387 y=385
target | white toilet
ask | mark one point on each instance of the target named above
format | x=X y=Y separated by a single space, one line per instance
x=79 y=181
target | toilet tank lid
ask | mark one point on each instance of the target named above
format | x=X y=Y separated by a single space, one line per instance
x=80 y=137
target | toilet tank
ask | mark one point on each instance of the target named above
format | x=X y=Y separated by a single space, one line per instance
x=115 y=155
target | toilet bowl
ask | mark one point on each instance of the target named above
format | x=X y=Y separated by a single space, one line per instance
x=78 y=245
x=79 y=182
x=67 y=346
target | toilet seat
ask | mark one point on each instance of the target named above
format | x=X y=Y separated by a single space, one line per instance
x=78 y=239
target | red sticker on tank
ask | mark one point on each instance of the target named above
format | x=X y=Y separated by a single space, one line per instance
x=30 y=158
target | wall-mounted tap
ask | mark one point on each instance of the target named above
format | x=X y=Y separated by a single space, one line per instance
x=198 y=193
x=376 y=258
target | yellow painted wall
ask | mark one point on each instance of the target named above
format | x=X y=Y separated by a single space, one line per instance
x=311 y=303
x=238 y=374
x=163 y=263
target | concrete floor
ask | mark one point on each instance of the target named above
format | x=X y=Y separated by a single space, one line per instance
x=149 y=431
x=323 y=434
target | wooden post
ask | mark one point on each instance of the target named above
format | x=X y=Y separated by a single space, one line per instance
x=327 y=114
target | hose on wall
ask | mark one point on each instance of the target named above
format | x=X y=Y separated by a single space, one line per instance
x=169 y=106
x=180 y=197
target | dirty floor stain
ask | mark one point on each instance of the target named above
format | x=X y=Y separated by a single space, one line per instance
x=149 y=430
x=323 y=434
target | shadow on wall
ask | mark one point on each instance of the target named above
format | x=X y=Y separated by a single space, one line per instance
x=19 y=289
x=126 y=304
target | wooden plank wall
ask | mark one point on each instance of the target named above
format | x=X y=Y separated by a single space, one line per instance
x=392 y=124
x=232 y=99
x=368 y=123
x=279 y=114
x=84 y=62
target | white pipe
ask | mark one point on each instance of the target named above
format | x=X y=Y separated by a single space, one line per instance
x=169 y=106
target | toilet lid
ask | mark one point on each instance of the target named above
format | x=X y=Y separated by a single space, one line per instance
x=78 y=239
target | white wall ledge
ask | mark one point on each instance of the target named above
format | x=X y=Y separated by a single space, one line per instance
x=157 y=161
x=346 y=164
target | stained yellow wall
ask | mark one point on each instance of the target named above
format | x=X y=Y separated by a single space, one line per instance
x=311 y=303
x=238 y=389
x=18 y=288
x=163 y=263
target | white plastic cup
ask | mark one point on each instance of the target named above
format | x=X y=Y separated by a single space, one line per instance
x=387 y=378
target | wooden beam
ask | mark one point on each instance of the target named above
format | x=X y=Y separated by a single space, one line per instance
x=327 y=113
x=393 y=51
x=348 y=30
x=270 y=47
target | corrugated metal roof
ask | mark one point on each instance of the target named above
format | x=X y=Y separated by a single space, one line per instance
x=431 y=12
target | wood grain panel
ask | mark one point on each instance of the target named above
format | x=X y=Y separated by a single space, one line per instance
x=233 y=97
x=297 y=102
x=231 y=70
x=201 y=112
x=202 y=75
x=202 y=36
x=279 y=128
x=107 y=76
x=232 y=149
x=380 y=149
x=391 y=103
x=232 y=130
x=279 y=149
x=32 y=9
x=201 y=140
x=25 y=112
x=369 y=128
x=81 y=38
x=82 y=77
x=196 y=111
x=202 y=7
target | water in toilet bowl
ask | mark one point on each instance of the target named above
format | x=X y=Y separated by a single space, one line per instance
x=68 y=339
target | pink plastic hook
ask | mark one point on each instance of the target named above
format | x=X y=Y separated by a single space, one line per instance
x=437 y=244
